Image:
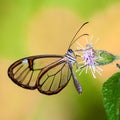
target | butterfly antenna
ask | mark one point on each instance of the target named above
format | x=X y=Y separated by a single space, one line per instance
x=73 y=39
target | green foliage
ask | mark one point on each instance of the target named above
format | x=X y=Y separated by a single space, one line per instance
x=111 y=96
x=104 y=57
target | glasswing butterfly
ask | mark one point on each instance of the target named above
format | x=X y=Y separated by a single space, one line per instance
x=47 y=73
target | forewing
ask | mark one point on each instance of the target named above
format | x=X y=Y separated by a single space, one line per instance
x=54 y=78
x=25 y=72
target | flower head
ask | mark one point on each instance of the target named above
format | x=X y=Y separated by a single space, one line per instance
x=92 y=59
x=89 y=60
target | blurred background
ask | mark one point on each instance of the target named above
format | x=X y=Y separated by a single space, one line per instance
x=33 y=27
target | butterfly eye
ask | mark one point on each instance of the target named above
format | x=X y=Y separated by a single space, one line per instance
x=70 y=51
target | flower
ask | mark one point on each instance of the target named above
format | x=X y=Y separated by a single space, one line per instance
x=89 y=61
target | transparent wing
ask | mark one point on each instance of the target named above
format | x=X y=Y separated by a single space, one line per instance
x=25 y=72
x=54 y=79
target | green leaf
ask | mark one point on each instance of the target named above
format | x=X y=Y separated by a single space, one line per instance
x=111 y=96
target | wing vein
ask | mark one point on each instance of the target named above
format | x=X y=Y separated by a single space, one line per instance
x=18 y=69
x=21 y=73
x=21 y=81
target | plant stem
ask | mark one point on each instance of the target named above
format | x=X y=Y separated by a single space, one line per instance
x=117 y=57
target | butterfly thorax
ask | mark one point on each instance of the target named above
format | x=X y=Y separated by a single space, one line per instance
x=70 y=56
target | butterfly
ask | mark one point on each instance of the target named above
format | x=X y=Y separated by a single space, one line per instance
x=49 y=74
